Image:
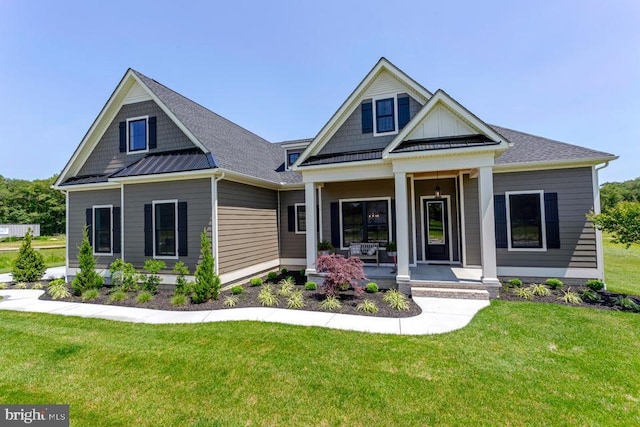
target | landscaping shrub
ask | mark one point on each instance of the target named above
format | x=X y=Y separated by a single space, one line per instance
x=331 y=303
x=272 y=275
x=590 y=295
x=207 y=284
x=595 y=284
x=230 y=301
x=286 y=287
x=284 y=271
x=183 y=286
x=296 y=300
x=37 y=285
x=341 y=273
x=311 y=286
x=21 y=285
x=516 y=283
x=123 y=275
x=58 y=289
x=29 y=265
x=237 y=290
x=178 y=300
x=372 y=287
x=151 y=279
x=524 y=293
x=554 y=283
x=144 y=296
x=118 y=295
x=367 y=306
x=87 y=277
x=626 y=303
x=3 y=285
x=90 y=294
x=256 y=281
x=540 y=290
x=571 y=297
x=267 y=297
x=303 y=272
x=396 y=300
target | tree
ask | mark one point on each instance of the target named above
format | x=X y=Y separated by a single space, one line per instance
x=622 y=221
x=29 y=266
x=611 y=193
x=207 y=282
x=87 y=277
x=341 y=273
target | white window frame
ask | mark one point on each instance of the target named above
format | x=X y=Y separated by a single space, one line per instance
x=295 y=212
x=375 y=115
x=153 y=224
x=146 y=121
x=366 y=199
x=287 y=166
x=93 y=229
x=543 y=227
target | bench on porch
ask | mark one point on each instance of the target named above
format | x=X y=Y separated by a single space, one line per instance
x=365 y=251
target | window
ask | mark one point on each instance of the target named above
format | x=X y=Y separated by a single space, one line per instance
x=102 y=230
x=165 y=228
x=137 y=135
x=301 y=218
x=526 y=222
x=365 y=221
x=385 y=115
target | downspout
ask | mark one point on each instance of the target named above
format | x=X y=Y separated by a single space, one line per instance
x=596 y=209
x=214 y=220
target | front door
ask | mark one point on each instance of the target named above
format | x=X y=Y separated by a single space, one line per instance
x=436 y=229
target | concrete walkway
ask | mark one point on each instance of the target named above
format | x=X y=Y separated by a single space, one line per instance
x=439 y=315
x=54 y=272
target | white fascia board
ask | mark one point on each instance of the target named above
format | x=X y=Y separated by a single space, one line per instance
x=88 y=187
x=450 y=162
x=453 y=152
x=175 y=176
x=553 y=164
x=457 y=108
x=350 y=104
x=349 y=173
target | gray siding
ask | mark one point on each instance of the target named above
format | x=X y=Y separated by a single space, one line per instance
x=575 y=200
x=197 y=194
x=106 y=156
x=292 y=245
x=427 y=188
x=247 y=225
x=79 y=202
x=472 y=221
x=349 y=136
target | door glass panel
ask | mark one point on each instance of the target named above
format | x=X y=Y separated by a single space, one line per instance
x=435 y=223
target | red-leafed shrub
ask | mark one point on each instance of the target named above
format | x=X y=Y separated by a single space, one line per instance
x=341 y=273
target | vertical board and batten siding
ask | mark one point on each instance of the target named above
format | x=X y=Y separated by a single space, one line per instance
x=106 y=156
x=79 y=202
x=197 y=194
x=575 y=199
x=247 y=226
x=447 y=188
x=349 y=136
x=334 y=191
x=441 y=121
x=472 y=221
x=292 y=245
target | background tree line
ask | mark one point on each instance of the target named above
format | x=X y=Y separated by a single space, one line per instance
x=32 y=202
x=620 y=203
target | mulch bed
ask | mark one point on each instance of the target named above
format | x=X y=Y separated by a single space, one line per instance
x=607 y=299
x=249 y=298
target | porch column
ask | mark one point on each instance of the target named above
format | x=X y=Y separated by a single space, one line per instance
x=402 y=227
x=487 y=226
x=310 y=208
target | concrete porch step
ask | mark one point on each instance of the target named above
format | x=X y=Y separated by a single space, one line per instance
x=458 y=293
x=446 y=284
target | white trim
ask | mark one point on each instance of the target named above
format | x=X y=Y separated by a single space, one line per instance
x=414 y=227
x=319 y=211
x=385 y=96
x=366 y=199
x=424 y=228
x=122 y=222
x=296 y=206
x=359 y=171
x=552 y=164
x=596 y=209
x=163 y=177
x=463 y=224
x=402 y=226
x=547 y=272
x=94 y=229
x=66 y=228
x=153 y=228
x=128 y=140
x=88 y=187
x=311 y=244
x=443 y=161
x=457 y=200
x=543 y=228
x=293 y=261
x=249 y=271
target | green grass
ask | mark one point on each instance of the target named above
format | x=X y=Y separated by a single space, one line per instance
x=621 y=267
x=508 y=367
x=59 y=240
x=52 y=257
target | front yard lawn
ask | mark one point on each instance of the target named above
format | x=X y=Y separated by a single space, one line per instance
x=52 y=258
x=516 y=364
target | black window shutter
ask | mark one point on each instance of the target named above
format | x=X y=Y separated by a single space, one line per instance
x=152 y=133
x=552 y=220
x=123 y=137
x=403 y=112
x=335 y=225
x=367 y=117
x=392 y=215
x=116 y=230
x=89 y=223
x=291 y=218
x=500 y=217
x=148 y=230
x=182 y=229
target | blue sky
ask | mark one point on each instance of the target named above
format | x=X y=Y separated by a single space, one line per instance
x=568 y=70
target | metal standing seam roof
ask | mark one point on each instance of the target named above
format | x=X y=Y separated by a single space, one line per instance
x=443 y=143
x=167 y=162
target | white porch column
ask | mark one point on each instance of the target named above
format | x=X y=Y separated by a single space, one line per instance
x=487 y=227
x=310 y=207
x=402 y=227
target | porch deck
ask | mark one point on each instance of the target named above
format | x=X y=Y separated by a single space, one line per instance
x=429 y=273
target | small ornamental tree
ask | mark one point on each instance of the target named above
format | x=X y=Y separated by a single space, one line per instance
x=207 y=282
x=622 y=221
x=29 y=266
x=123 y=275
x=183 y=287
x=87 y=277
x=341 y=273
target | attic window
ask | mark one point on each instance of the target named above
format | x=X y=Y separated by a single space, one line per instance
x=385 y=115
x=137 y=134
x=292 y=156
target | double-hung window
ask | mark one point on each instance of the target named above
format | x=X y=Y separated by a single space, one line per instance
x=102 y=230
x=165 y=228
x=385 y=115
x=365 y=221
x=525 y=220
x=137 y=134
